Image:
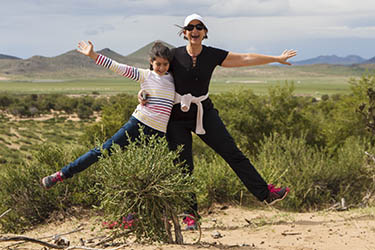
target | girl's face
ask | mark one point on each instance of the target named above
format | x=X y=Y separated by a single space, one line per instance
x=195 y=36
x=160 y=65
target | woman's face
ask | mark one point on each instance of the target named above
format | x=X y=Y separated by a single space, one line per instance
x=195 y=36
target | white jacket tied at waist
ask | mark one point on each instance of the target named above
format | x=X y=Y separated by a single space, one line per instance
x=185 y=101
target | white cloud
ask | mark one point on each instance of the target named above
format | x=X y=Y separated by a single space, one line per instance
x=332 y=7
x=46 y=27
x=249 y=8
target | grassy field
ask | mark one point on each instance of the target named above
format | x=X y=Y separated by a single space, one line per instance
x=18 y=138
x=314 y=86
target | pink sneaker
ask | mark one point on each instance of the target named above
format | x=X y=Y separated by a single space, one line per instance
x=51 y=180
x=190 y=222
x=276 y=194
x=126 y=223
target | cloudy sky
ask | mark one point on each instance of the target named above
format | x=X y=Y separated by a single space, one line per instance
x=313 y=27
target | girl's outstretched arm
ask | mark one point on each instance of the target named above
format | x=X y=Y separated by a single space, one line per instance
x=127 y=71
x=87 y=49
x=242 y=59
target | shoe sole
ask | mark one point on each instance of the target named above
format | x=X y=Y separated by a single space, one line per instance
x=44 y=185
x=280 y=199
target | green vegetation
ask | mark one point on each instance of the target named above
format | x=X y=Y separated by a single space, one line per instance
x=74 y=87
x=305 y=85
x=144 y=182
x=316 y=147
x=30 y=203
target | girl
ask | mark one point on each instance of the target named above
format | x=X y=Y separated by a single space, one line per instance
x=154 y=117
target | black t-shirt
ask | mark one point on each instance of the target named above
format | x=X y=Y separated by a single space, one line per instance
x=194 y=80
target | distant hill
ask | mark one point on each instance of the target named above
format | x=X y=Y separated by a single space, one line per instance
x=2 y=56
x=333 y=59
x=369 y=61
x=72 y=64
x=68 y=65
x=75 y=65
x=143 y=52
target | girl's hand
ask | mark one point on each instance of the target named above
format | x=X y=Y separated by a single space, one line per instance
x=286 y=55
x=142 y=97
x=87 y=49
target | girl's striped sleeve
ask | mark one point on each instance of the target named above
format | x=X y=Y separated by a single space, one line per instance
x=127 y=71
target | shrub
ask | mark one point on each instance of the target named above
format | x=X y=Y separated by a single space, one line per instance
x=114 y=115
x=84 y=111
x=289 y=161
x=143 y=180
x=5 y=100
x=217 y=182
x=317 y=179
x=20 y=188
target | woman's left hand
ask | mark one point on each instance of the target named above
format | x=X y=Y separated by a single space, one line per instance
x=288 y=53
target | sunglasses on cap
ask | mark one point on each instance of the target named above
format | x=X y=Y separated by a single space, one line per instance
x=190 y=27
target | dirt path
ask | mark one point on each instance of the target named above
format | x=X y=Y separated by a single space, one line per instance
x=241 y=228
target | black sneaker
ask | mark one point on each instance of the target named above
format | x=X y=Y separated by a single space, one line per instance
x=276 y=194
x=51 y=180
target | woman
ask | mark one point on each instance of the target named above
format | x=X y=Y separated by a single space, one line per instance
x=192 y=68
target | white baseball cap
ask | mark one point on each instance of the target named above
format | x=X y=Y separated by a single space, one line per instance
x=192 y=17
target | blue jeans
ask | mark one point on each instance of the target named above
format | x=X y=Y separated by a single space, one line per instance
x=129 y=130
x=219 y=139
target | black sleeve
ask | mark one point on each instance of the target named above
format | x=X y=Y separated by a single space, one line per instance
x=219 y=55
x=173 y=52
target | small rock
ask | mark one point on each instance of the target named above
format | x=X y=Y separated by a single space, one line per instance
x=216 y=235
x=60 y=241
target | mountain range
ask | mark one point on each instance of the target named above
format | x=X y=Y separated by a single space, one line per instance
x=2 y=56
x=333 y=59
x=73 y=64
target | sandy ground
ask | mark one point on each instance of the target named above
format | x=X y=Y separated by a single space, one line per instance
x=240 y=228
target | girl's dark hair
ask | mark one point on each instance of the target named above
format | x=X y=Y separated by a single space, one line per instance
x=160 y=50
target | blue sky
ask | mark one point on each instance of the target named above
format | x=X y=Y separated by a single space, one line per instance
x=319 y=27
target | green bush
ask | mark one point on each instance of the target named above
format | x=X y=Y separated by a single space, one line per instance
x=84 y=111
x=316 y=178
x=114 y=115
x=143 y=180
x=216 y=182
x=289 y=161
x=353 y=172
x=21 y=191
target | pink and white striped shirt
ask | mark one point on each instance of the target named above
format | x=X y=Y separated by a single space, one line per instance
x=160 y=89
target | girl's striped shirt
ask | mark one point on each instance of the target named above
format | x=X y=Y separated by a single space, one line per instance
x=156 y=112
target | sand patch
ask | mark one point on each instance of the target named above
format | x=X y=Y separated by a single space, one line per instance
x=242 y=228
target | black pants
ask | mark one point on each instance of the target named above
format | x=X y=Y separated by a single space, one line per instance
x=219 y=139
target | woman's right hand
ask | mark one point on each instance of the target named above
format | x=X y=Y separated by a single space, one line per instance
x=142 y=97
x=87 y=49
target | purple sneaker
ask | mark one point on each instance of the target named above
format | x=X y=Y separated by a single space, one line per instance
x=276 y=194
x=51 y=180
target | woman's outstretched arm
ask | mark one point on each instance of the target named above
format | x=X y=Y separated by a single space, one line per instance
x=250 y=59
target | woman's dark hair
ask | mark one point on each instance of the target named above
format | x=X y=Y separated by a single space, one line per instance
x=182 y=29
x=160 y=50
